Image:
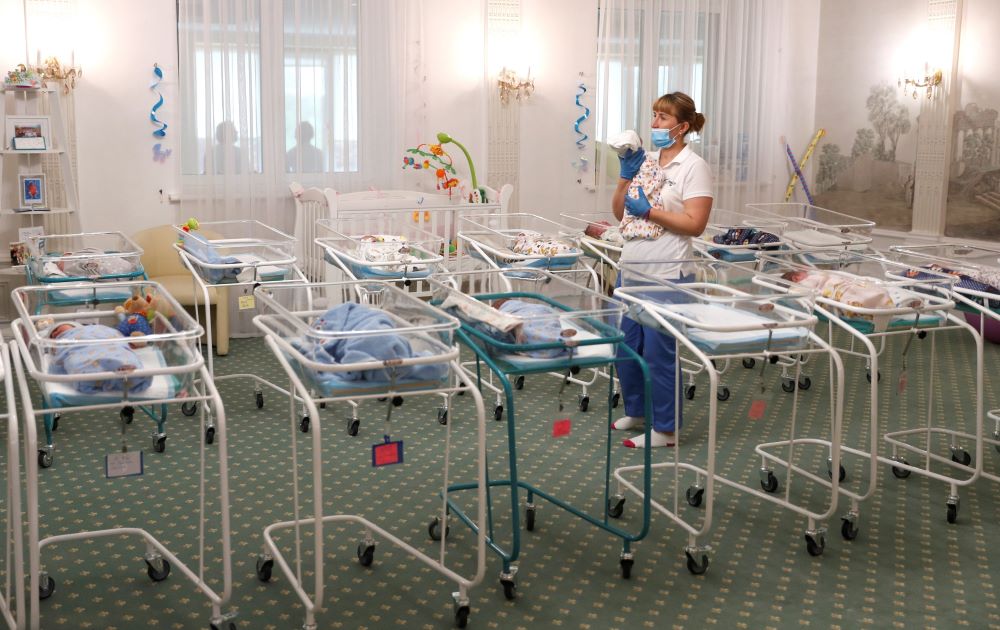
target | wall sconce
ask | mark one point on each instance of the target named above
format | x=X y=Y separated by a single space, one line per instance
x=510 y=85
x=928 y=81
x=52 y=70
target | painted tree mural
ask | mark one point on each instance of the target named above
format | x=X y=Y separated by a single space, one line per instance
x=889 y=118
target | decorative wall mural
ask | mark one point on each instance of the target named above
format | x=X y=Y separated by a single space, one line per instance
x=871 y=181
x=974 y=178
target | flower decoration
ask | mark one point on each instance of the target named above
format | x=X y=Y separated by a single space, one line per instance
x=23 y=77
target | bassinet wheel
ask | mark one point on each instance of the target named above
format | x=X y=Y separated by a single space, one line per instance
x=264 y=567
x=787 y=385
x=901 y=473
x=952 y=513
x=922 y=334
x=397 y=401
x=519 y=382
x=304 y=424
x=127 y=414
x=695 y=567
x=229 y=626
x=848 y=530
x=160 y=443
x=805 y=382
x=258 y=397
x=584 y=402
x=868 y=375
x=773 y=359
x=55 y=422
x=47 y=587
x=770 y=484
x=961 y=456
x=353 y=424
x=44 y=459
x=722 y=394
x=442 y=416
x=829 y=471
x=366 y=554
x=815 y=544
x=617 y=396
x=694 y=496
x=509 y=589
x=689 y=392
x=529 y=519
x=434 y=529
x=189 y=408
x=626 y=564
x=749 y=363
x=498 y=413
x=462 y=616
x=157 y=575
x=210 y=435
x=616 y=506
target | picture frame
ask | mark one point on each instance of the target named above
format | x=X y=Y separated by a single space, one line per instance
x=31 y=191
x=27 y=133
x=18 y=253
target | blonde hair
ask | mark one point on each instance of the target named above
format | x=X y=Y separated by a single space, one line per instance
x=680 y=106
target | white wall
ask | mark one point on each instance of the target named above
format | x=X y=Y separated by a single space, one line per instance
x=800 y=50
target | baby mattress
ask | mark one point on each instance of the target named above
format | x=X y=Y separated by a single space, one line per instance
x=64 y=394
x=581 y=353
x=754 y=339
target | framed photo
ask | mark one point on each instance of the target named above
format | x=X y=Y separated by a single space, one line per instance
x=31 y=192
x=18 y=253
x=28 y=132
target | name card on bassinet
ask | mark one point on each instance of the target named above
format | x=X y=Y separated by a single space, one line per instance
x=123 y=464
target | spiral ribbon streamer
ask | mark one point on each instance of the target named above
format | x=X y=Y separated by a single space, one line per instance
x=162 y=131
x=798 y=172
x=580 y=142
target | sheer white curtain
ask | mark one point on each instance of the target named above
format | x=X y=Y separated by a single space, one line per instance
x=726 y=54
x=275 y=91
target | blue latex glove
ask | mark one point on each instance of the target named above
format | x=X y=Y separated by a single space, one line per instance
x=630 y=162
x=638 y=207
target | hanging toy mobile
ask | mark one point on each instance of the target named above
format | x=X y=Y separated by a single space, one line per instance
x=434 y=159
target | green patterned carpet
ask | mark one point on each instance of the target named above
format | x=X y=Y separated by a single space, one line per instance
x=907 y=568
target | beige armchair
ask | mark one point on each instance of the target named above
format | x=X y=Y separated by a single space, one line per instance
x=163 y=264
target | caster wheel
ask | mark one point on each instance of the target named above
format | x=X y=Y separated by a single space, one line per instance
x=397 y=401
x=689 y=392
x=462 y=617
x=189 y=408
x=617 y=397
x=770 y=484
x=574 y=370
x=210 y=435
x=519 y=383
x=55 y=422
x=264 y=567
x=829 y=472
x=961 y=456
x=44 y=459
x=773 y=359
x=304 y=424
x=815 y=546
x=616 y=507
x=695 y=567
x=322 y=405
x=787 y=386
x=158 y=575
x=922 y=334
x=529 y=519
x=509 y=589
x=627 y=567
x=722 y=394
x=258 y=398
x=868 y=375
x=366 y=554
x=694 y=496
x=229 y=626
x=805 y=382
x=353 y=424
x=46 y=588
x=749 y=363
x=160 y=444
x=442 y=416
x=498 y=413
x=848 y=530
x=584 y=403
x=901 y=473
x=127 y=414
x=952 y=513
x=434 y=529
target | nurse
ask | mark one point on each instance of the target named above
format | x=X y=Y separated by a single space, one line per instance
x=672 y=206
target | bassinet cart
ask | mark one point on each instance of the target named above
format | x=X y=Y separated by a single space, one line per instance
x=872 y=299
x=578 y=329
x=63 y=259
x=238 y=254
x=381 y=344
x=154 y=370
x=814 y=228
x=721 y=311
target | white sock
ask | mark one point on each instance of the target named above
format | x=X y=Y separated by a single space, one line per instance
x=656 y=439
x=628 y=422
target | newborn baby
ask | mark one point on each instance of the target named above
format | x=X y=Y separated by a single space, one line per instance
x=91 y=358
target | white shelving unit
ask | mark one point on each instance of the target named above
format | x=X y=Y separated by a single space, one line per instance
x=54 y=162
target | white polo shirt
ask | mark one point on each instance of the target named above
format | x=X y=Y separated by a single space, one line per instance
x=686 y=176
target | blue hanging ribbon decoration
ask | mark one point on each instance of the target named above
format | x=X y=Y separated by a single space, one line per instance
x=162 y=131
x=581 y=141
x=798 y=171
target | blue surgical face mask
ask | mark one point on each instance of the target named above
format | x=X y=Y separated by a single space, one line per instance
x=662 y=139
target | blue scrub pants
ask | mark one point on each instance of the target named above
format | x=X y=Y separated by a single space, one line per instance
x=659 y=350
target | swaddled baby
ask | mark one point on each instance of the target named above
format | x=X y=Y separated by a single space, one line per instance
x=858 y=292
x=92 y=358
